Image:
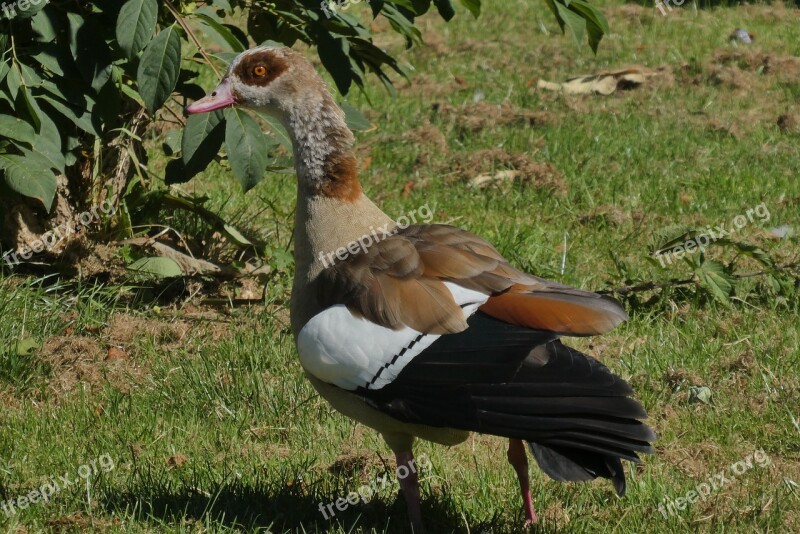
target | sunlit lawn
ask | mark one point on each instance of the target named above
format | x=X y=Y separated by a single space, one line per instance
x=205 y=411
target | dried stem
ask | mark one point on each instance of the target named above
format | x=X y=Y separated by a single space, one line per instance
x=179 y=19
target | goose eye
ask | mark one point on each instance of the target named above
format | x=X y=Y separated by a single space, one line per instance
x=260 y=71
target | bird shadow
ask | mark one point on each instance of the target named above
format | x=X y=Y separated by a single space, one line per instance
x=281 y=508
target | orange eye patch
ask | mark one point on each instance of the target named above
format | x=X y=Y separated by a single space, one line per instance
x=260 y=71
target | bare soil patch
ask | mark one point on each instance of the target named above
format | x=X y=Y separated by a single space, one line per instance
x=474 y=117
x=362 y=463
x=495 y=163
x=76 y=360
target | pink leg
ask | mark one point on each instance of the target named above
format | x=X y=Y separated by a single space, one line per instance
x=518 y=459
x=409 y=483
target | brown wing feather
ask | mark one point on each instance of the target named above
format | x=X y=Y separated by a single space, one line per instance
x=399 y=281
x=561 y=309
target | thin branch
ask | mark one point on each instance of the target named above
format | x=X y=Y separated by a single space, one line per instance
x=192 y=36
x=646 y=286
x=651 y=286
x=180 y=119
x=778 y=268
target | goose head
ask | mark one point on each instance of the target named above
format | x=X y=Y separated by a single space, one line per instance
x=282 y=83
x=274 y=80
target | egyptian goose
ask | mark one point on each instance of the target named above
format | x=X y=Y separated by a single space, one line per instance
x=429 y=332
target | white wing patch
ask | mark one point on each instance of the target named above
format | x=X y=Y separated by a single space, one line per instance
x=351 y=352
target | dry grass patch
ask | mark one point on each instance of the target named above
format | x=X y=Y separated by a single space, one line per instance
x=474 y=117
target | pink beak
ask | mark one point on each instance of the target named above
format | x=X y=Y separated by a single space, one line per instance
x=221 y=97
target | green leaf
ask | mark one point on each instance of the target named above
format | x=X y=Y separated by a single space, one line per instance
x=17 y=129
x=55 y=58
x=236 y=236
x=29 y=76
x=573 y=21
x=260 y=25
x=402 y=25
x=156 y=267
x=579 y=16
x=131 y=93
x=681 y=240
x=44 y=24
x=48 y=143
x=376 y=6
x=355 y=119
x=30 y=10
x=90 y=51
x=136 y=24
x=225 y=35
x=445 y=9
x=172 y=142
x=711 y=275
x=77 y=107
x=474 y=7
x=26 y=105
x=226 y=57
x=5 y=67
x=700 y=394
x=201 y=141
x=30 y=176
x=753 y=251
x=198 y=129
x=596 y=23
x=195 y=205
x=279 y=259
x=159 y=68
x=781 y=283
x=551 y=5
x=590 y=13
x=333 y=52
x=277 y=128
x=247 y=148
x=13 y=82
x=26 y=346
x=418 y=7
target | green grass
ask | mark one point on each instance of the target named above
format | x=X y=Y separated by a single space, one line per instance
x=211 y=424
